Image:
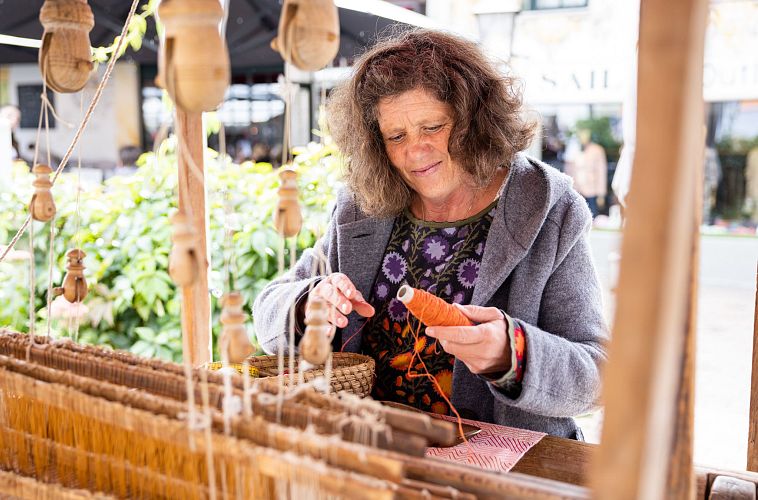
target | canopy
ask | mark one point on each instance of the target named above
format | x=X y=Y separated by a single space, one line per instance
x=251 y=26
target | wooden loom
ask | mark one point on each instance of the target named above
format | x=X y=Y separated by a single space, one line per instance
x=90 y=419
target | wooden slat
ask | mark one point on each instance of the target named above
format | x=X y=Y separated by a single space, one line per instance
x=752 y=450
x=642 y=375
x=558 y=459
x=196 y=306
x=681 y=477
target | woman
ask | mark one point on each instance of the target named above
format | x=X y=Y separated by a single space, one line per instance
x=440 y=198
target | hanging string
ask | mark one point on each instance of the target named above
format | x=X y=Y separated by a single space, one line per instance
x=82 y=125
x=51 y=244
x=32 y=288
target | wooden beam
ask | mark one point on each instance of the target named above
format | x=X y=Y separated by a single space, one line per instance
x=196 y=305
x=645 y=354
x=752 y=450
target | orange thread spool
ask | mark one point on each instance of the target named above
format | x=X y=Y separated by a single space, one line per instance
x=430 y=309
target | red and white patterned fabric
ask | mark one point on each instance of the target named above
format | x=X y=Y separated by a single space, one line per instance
x=495 y=448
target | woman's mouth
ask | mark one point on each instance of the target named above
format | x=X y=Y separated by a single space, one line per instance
x=428 y=169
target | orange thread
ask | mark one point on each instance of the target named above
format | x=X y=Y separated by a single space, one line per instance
x=430 y=309
x=441 y=392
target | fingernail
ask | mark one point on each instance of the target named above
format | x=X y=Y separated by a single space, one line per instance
x=348 y=293
x=344 y=308
x=342 y=322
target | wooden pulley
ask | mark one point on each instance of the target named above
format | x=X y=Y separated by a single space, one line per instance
x=65 y=56
x=74 y=287
x=309 y=33
x=234 y=345
x=316 y=345
x=182 y=262
x=287 y=217
x=193 y=64
x=42 y=206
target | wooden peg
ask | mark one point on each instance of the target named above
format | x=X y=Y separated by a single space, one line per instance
x=64 y=58
x=309 y=33
x=74 y=287
x=182 y=262
x=316 y=345
x=287 y=218
x=42 y=205
x=234 y=344
x=193 y=64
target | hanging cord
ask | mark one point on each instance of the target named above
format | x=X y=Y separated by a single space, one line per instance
x=77 y=222
x=51 y=245
x=32 y=280
x=82 y=125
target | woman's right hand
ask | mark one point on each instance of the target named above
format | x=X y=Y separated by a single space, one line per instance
x=340 y=293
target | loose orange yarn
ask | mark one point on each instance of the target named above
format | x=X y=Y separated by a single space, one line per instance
x=430 y=309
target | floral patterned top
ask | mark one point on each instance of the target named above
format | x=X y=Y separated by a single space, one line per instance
x=443 y=259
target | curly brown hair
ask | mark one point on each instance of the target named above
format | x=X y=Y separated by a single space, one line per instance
x=488 y=130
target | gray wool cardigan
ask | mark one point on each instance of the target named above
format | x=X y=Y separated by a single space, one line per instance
x=536 y=267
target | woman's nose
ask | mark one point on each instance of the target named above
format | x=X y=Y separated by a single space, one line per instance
x=418 y=146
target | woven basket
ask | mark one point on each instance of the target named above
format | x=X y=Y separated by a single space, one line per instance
x=351 y=372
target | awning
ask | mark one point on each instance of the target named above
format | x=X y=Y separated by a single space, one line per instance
x=251 y=26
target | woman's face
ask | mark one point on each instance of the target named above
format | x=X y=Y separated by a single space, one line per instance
x=416 y=127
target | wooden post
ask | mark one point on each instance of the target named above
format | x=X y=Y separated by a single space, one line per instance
x=681 y=473
x=196 y=306
x=645 y=354
x=752 y=451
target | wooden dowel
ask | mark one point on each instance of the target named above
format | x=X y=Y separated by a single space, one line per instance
x=752 y=441
x=196 y=305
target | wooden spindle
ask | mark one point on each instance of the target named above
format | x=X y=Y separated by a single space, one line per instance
x=74 y=287
x=234 y=344
x=287 y=218
x=193 y=64
x=182 y=263
x=316 y=345
x=64 y=58
x=309 y=33
x=42 y=206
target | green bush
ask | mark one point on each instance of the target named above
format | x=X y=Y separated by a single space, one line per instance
x=123 y=227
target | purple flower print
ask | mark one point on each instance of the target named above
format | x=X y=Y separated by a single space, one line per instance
x=435 y=249
x=381 y=291
x=479 y=248
x=406 y=245
x=468 y=272
x=397 y=310
x=394 y=267
x=449 y=231
x=448 y=290
x=463 y=232
x=423 y=283
x=458 y=297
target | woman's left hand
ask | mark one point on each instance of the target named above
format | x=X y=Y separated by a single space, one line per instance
x=484 y=347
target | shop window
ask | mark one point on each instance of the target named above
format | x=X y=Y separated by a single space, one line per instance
x=733 y=131
x=553 y=4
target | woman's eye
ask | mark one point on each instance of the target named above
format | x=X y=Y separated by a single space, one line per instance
x=433 y=128
x=395 y=138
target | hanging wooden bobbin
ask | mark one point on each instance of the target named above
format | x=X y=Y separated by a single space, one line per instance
x=234 y=343
x=182 y=262
x=193 y=64
x=65 y=57
x=74 y=287
x=316 y=345
x=42 y=206
x=309 y=33
x=287 y=218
